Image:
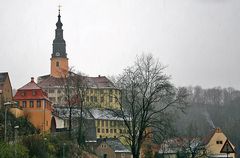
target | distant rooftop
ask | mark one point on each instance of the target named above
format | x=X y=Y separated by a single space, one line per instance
x=115 y=144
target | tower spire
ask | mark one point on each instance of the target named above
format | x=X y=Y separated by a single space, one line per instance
x=59 y=23
x=59 y=46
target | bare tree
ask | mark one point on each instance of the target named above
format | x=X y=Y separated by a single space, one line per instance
x=147 y=101
x=74 y=92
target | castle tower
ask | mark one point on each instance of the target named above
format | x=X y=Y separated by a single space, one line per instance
x=59 y=60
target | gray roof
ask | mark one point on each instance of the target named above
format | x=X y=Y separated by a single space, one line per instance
x=91 y=113
x=115 y=144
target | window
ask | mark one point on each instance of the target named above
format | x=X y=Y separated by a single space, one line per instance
x=91 y=91
x=122 y=155
x=23 y=94
x=110 y=98
x=106 y=123
x=111 y=130
x=110 y=91
x=120 y=131
x=106 y=130
x=98 y=130
x=51 y=90
x=98 y=123
x=219 y=142
x=102 y=99
x=52 y=99
x=33 y=93
x=105 y=156
x=59 y=99
x=87 y=98
x=31 y=104
x=102 y=123
x=101 y=91
x=95 y=99
x=115 y=130
x=102 y=130
x=59 y=91
x=39 y=103
x=91 y=98
x=57 y=64
x=24 y=104
x=116 y=99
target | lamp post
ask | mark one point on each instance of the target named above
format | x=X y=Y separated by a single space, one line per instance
x=64 y=150
x=15 y=139
x=5 y=117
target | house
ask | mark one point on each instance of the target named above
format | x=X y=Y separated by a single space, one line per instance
x=36 y=106
x=112 y=148
x=211 y=146
x=214 y=143
x=5 y=88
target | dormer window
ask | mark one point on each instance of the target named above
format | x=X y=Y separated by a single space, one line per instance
x=23 y=94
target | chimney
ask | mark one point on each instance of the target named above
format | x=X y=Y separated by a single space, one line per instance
x=218 y=130
x=99 y=75
x=32 y=79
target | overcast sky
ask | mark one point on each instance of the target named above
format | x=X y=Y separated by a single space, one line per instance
x=197 y=39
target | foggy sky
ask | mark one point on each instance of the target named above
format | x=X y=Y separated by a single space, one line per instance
x=197 y=39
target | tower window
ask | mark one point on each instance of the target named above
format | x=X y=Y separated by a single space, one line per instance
x=57 y=64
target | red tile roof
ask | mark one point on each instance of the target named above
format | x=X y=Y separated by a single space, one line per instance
x=30 y=86
x=26 y=92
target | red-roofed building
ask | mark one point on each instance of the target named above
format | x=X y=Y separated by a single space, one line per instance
x=35 y=105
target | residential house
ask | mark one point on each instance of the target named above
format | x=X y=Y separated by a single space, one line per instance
x=210 y=147
x=36 y=106
x=214 y=143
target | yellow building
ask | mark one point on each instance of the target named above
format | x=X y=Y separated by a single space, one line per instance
x=108 y=126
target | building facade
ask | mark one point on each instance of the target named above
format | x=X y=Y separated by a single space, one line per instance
x=35 y=105
x=5 y=88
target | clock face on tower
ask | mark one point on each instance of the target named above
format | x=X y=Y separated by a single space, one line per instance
x=57 y=54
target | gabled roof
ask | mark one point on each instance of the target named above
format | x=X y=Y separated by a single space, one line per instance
x=115 y=145
x=25 y=92
x=207 y=139
x=30 y=86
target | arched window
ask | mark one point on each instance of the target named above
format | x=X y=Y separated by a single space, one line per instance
x=57 y=64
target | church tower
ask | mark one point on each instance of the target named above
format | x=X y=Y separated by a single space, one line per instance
x=59 y=60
